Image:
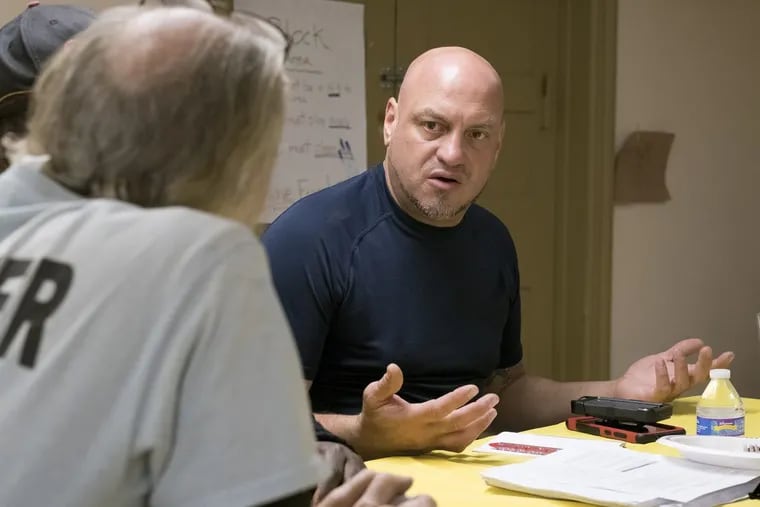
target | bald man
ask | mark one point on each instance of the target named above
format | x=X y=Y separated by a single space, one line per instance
x=397 y=275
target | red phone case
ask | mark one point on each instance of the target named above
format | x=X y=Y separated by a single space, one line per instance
x=628 y=432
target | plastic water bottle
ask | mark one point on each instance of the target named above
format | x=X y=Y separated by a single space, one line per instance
x=720 y=411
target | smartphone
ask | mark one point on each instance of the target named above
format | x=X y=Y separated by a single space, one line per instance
x=636 y=433
x=621 y=409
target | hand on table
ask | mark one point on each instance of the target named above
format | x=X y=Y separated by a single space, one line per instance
x=664 y=376
x=390 y=425
x=344 y=464
x=369 y=488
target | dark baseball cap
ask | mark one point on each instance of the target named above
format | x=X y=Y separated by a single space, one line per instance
x=28 y=41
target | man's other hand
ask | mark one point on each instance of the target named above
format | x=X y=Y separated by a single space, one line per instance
x=664 y=376
x=377 y=489
x=344 y=464
x=390 y=425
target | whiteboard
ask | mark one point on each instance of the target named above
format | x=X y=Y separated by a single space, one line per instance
x=324 y=138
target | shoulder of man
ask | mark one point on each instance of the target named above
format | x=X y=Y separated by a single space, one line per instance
x=491 y=225
x=337 y=213
x=195 y=235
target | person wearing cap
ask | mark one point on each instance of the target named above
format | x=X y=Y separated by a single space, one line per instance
x=26 y=43
x=144 y=356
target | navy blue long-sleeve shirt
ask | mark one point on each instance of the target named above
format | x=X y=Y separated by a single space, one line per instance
x=363 y=284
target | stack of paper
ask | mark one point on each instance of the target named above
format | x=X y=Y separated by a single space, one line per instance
x=619 y=476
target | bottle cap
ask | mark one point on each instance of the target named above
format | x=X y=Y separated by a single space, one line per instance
x=720 y=373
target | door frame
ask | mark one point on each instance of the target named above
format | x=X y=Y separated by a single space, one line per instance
x=585 y=175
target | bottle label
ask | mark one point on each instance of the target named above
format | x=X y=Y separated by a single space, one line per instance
x=731 y=427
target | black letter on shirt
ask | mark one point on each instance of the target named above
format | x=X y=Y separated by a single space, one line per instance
x=12 y=268
x=30 y=310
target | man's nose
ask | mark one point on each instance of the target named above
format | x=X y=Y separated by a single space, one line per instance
x=451 y=149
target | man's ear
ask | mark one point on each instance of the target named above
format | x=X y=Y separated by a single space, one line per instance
x=389 y=122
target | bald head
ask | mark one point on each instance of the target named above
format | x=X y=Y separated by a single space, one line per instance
x=443 y=134
x=154 y=46
x=456 y=70
x=162 y=44
x=195 y=4
x=167 y=105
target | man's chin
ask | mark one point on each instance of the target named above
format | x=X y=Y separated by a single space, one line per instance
x=442 y=213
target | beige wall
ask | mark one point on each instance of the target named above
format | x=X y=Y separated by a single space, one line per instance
x=691 y=267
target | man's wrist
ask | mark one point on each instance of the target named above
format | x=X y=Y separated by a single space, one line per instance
x=614 y=388
x=355 y=432
x=353 y=429
x=345 y=427
x=325 y=435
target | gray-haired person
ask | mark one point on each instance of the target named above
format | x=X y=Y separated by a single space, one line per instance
x=144 y=356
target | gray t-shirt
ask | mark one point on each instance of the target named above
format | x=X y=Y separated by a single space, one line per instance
x=144 y=357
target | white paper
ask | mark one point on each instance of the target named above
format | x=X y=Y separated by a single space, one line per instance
x=324 y=137
x=617 y=476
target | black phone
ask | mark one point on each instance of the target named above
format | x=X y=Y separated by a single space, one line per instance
x=621 y=409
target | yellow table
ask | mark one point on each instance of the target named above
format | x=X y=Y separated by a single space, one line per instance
x=454 y=479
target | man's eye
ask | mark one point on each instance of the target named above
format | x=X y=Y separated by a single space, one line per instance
x=479 y=135
x=431 y=126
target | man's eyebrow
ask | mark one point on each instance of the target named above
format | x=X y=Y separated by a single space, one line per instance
x=487 y=124
x=481 y=126
x=429 y=113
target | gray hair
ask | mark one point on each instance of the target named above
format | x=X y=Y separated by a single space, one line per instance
x=12 y=128
x=164 y=106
